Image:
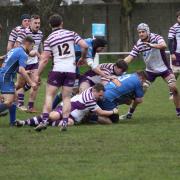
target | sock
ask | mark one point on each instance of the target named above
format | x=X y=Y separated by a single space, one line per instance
x=26 y=87
x=178 y=111
x=45 y=117
x=21 y=99
x=65 y=120
x=131 y=110
x=3 y=107
x=12 y=114
x=30 y=105
x=34 y=121
x=57 y=100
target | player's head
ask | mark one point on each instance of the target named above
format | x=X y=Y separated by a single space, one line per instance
x=25 y=18
x=178 y=16
x=99 y=44
x=143 y=31
x=28 y=43
x=98 y=91
x=144 y=79
x=56 y=21
x=120 y=67
x=35 y=22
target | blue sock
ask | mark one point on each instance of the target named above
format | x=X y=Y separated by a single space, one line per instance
x=3 y=107
x=12 y=114
x=57 y=100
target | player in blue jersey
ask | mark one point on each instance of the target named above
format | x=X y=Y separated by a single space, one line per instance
x=120 y=91
x=15 y=61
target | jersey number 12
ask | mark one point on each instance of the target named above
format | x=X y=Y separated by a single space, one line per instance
x=64 y=49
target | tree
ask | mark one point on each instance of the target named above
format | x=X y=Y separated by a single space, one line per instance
x=126 y=8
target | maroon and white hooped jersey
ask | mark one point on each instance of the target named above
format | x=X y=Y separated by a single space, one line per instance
x=61 y=44
x=37 y=36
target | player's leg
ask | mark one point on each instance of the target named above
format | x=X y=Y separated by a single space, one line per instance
x=66 y=97
x=50 y=93
x=20 y=92
x=171 y=80
x=67 y=89
x=33 y=93
x=176 y=71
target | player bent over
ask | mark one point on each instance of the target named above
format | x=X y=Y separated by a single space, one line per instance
x=81 y=104
x=15 y=61
x=119 y=91
x=152 y=47
x=60 y=45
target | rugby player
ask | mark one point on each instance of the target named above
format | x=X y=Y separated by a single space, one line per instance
x=81 y=104
x=32 y=64
x=174 y=47
x=119 y=91
x=25 y=19
x=60 y=45
x=15 y=60
x=152 y=47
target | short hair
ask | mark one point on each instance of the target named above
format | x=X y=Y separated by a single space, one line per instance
x=177 y=13
x=25 y=16
x=35 y=16
x=122 y=65
x=55 y=20
x=142 y=74
x=28 y=39
x=99 y=87
x=99 y=42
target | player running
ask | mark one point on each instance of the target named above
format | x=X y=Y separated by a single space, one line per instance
x=60 y=45
x=174 y=47
x=32 y=63
x=81 y=104
x=152 y=47
x=15 y=60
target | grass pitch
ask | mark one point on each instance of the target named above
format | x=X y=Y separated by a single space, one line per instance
x=145 y=148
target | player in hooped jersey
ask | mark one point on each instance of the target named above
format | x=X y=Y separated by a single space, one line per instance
x=60 y=45
x=81 y=104
x=32 y=63
x=25 y=18
x=174 y=47
x=152 y=47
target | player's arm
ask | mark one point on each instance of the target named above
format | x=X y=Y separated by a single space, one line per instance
x=101 y=112
x=161 y=45
x=45 y=56
x=171 y=41
x=21 y=35
x=84 y=49
x=10 y=45
x=24 y=73
x=129 y=59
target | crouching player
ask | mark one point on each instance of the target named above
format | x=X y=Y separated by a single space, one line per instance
x=121 y=91
x=81 y=104
x=15 y=60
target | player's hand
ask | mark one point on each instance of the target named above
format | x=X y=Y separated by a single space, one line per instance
x=149 y=44
x=81 y=62
x=37 y=80
x=173 y=57
x=111 y=77
x=33 y=53
x=115 y=111
x=34 y=85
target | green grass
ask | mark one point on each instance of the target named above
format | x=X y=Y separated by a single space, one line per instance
x=145 y=148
